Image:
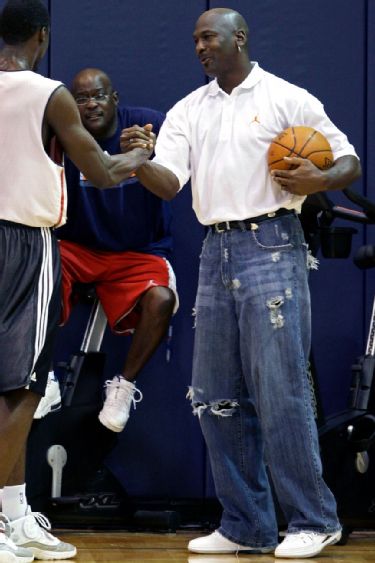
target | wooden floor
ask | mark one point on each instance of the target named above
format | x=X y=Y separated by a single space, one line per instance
x=108 y=547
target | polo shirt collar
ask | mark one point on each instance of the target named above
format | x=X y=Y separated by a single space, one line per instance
x=254 y=76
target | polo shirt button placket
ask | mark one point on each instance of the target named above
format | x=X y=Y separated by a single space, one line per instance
x=227 y=119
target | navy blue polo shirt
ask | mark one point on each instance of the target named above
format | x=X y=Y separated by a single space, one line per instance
x=125 y=217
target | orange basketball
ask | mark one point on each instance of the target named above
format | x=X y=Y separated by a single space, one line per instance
x=301 y=141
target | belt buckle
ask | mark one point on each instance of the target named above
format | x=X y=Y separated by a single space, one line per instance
x=217 y=228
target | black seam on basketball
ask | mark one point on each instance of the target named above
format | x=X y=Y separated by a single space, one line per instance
x=275 y=161
x=308 y=140
x=296 y=153
x=294 y=139
x=271 y=163
x=285 y=147
x=317 y=150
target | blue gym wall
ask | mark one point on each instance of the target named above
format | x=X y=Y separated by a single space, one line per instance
x=146 y=47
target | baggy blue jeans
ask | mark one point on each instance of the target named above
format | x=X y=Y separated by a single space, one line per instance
x=250 y=386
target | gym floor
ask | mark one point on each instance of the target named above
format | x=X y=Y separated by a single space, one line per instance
x=108 y=547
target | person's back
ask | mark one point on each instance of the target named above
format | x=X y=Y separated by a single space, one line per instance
x=33 y=188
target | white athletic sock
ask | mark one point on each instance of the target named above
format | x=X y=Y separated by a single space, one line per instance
x=14 y=501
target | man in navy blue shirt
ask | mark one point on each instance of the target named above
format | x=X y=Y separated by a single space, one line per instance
x=120 y=241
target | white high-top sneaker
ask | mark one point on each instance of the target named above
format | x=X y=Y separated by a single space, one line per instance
x=52 y=398
x=32 y=532
x=120 y=395
x=9 y=552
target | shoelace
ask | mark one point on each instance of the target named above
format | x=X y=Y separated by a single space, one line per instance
x=138 y=399
x=134 y=394
x=305 y=537
x=42 y=520
x=5 y=529
x=4 y=524
x=50 y=382
x=2 y=528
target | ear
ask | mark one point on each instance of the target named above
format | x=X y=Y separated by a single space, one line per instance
x=115 y=97
x=43 y=34
x=240 y=37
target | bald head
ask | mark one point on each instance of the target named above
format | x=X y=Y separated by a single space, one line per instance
x=229 y=19
x=220 y=38
x=91 y=76
x=96 y=101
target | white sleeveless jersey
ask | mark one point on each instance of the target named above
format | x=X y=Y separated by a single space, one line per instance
x=32 y=185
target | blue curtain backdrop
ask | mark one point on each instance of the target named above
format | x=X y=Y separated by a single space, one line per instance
x=147 y=49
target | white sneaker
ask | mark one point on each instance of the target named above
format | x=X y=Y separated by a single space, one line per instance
x=305 y=544
x=9 y=552
x=52 y=398
x=216 y=543
x=205 y=558
x=120 y=394
x=30 y=531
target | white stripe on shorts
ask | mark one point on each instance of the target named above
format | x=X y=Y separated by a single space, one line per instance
x=45 y=289
x=173 y=286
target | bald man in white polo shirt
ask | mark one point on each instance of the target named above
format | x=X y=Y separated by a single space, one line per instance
x=252 y=341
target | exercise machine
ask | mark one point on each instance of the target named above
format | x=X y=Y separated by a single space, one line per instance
x=347 y=439
x=67 y=475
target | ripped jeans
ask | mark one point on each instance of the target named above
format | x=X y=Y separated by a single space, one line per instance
x=250 y=387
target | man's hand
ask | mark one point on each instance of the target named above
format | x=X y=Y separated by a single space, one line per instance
x=138 y=137
x=304 y=179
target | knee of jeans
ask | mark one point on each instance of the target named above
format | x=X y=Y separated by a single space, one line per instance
x=274 y=305
x=217 y=407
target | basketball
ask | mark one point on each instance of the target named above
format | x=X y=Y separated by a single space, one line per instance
x=301 y=141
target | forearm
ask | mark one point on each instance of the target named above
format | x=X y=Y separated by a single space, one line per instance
x=344 y=172
x=121 y=166
x=158 y=180
x=102 y=170
x=305 y=178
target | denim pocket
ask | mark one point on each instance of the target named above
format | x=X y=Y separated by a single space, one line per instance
x=275 y=234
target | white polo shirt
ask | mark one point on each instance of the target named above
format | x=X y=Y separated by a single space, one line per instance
x=221 y=142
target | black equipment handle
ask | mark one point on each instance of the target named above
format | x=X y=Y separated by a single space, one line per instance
x=367 y=205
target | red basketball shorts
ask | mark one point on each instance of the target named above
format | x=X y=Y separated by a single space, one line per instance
x=120 y=279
